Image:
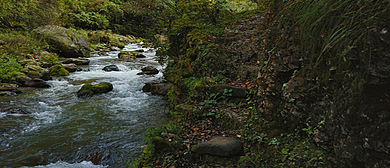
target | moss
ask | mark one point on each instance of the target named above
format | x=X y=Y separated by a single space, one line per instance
x=58 y=70
x=48 y=59
x=88 y=89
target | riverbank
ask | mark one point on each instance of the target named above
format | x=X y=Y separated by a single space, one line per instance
x=311 y=100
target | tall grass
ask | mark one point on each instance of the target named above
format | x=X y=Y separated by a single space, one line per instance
x=333 y=27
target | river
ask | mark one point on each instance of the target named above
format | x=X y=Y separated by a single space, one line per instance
x=63 y=129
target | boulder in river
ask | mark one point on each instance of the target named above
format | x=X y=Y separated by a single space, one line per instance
x=16 y=110
x=77 y=61
x=63 y=41
x=220 y=146
x=157 y=88
x=9 y=89
x=72 y=67
x=88 y=90
x=127 y=55
x=34 y=71
x=58 y=70
x=111 y=68
x=149 y=70
x=139 y=55
x=37 y=83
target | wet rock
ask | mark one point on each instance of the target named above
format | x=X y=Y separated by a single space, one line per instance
x=63 y=41
x=127 y=55
x=220 y=146
x=157 y=88
x=72 y=67
x=149 y=70
x=139 y=55
x=58 y=70
x=139 y=50
x=89 y=90
x=9 y=89
x=77 y=61
x=111 y=68
x=7 y=93
x=16 y=110
x=34 y=71
x=37 y=83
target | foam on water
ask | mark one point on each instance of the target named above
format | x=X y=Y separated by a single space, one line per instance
x=83 y=164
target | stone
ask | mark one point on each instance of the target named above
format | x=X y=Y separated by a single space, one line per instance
x=16 y=110
x=88 y=90
x=139 y=55
x=157 y=88
x=8 y=87
x=220 y=146
x=63 y=41
x=7 y=93
x=72 y=67
x=37 y=83
x=58 y=70
x=77 y=61
x=34 y=71
x=149 y=70
x=127 y=55
x=111 y=68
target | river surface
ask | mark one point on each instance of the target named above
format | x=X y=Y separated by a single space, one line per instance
x=63 y=129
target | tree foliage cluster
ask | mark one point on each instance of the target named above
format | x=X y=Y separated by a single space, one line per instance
x=125 y=17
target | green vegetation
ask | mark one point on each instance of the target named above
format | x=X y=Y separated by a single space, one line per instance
x=58 y=70
x=323 y=71
x=9 y=69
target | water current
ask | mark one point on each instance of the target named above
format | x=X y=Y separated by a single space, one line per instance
x=63 y=129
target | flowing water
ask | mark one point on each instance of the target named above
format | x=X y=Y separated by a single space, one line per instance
x=63 y=129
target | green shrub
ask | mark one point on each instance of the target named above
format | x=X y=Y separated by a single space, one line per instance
x=9 y=68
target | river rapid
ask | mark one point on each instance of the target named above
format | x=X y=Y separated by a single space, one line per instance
x=63 y=129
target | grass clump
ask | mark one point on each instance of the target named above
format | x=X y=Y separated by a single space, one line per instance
x=9 y=68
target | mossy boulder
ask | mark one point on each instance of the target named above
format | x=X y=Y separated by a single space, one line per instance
x=89 y=90
x=127 y=55
x=58 y=70
x=149 y=70
x=48 y=59
x=157 y=88
x=63 y=41
x=34 y=71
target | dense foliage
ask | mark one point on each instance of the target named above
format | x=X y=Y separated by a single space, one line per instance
x=321 y=93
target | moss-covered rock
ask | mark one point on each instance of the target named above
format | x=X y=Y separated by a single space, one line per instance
x=34 y=71
x=58 y=70
x=89 y=90
x=63 y=41
x=48 y=59
x=149 y=70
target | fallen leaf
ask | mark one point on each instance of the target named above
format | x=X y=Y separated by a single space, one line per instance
x=196 y=129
